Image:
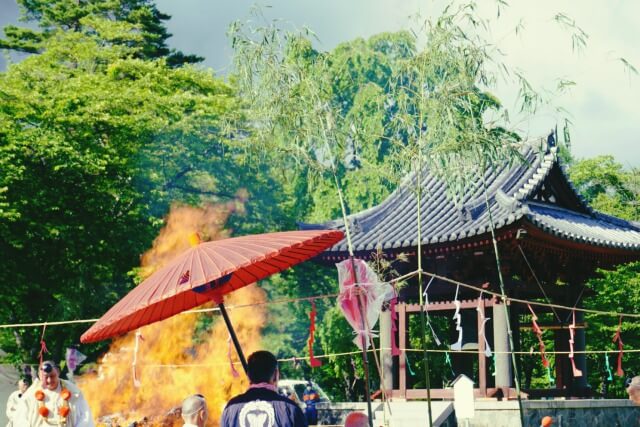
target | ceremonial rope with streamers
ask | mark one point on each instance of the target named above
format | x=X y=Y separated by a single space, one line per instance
x=334 y=295
x=395 y=350
x=296 y=359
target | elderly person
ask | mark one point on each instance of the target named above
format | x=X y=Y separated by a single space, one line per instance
x=194 y=411
x=52 y=401
x=634 y=390
x=261 y=405
x=14 y=400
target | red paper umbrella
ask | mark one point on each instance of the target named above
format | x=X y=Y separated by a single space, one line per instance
x=207 y=272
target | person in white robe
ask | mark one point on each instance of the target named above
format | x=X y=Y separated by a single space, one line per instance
x=52 y=401
x=14 y=400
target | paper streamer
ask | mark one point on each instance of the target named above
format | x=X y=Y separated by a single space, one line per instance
x=572 y=332
x=483 y=322
x=457 y=346
x=315 y=363
x=232 y=367
x=538 y=332
x=608 y=367
x=406 y=358
x=395 y=351
x=447 y=361
x=361 y=298
x=425 y=294
x=618 y=338
x=134 y=362
x=552 y=381
x=73 y=358
x=43 y=345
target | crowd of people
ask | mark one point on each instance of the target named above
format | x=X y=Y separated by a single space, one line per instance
x=51 y=400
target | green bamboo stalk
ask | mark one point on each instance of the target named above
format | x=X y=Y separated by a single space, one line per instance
x=423 y=327
x=516 y=378
x=365 y=361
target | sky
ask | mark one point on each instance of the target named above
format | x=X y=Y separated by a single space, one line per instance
x=604 y=105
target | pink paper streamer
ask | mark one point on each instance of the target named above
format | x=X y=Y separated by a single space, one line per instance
x=315 y=363
x=361 y=298
x=618 y=338
x=572 y=332
x=538 y=332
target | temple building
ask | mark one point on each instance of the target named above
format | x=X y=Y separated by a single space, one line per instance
x=550 y=243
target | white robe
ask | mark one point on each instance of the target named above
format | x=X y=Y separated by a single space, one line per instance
x=12 y=406
x=27 y=414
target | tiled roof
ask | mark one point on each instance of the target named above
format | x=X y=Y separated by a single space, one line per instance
x=511 y=192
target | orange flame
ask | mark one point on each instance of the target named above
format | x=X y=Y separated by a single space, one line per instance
x=179 y=356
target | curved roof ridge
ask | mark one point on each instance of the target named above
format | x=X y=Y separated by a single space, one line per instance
x=511 y=189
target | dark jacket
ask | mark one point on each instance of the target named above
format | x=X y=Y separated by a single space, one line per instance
x=261 y=407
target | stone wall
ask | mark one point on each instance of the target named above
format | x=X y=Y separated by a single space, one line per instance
x=591 y=412
x=492 y=413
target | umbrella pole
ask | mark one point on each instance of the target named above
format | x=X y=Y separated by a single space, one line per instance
x=234 y=338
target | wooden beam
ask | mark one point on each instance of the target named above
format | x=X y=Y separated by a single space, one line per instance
x=446 y=305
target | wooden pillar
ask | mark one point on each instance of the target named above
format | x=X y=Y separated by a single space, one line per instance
x=386 y=359
x=402 y=343
x=561 y=344
x=501 y=347
x=482 y=359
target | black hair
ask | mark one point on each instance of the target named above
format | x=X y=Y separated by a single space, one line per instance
x=261 y=367
x=48 y=366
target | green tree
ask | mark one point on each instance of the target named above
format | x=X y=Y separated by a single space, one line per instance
x=607 y=186
x=54 y=16
x=611 y=189
x=95 y=143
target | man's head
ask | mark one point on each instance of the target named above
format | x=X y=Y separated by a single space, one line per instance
x=356 y=419
x=262 y=367
x=23 y=385
x=194 y=410
x=49 y=375
x=634 y=390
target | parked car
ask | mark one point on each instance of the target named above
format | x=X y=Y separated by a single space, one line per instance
x=294 y=390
